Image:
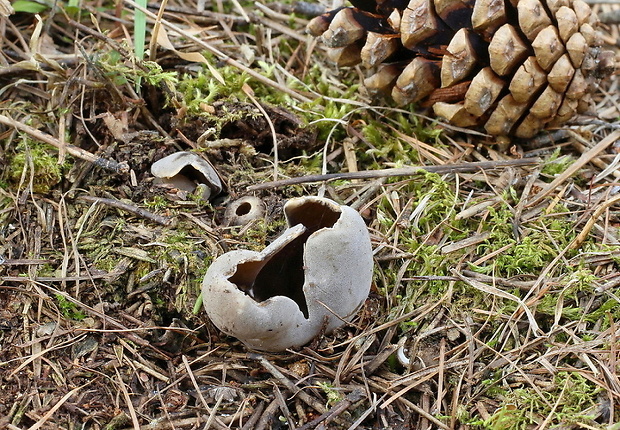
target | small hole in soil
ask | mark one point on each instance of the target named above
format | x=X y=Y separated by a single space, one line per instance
x=243 y=209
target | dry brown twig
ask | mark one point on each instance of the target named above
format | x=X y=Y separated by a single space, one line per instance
x=129 y=208
x=570 y=171
x=402 y=171
x=70 y=149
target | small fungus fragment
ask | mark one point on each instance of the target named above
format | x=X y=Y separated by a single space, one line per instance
x=186 y=171
x=244 y=210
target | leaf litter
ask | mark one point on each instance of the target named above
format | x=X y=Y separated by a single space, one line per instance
x=494 y=301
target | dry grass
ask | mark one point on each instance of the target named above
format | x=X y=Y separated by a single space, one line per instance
x=494 y=303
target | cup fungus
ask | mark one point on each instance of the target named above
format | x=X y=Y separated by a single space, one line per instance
x=315 y=276
x=186 y=171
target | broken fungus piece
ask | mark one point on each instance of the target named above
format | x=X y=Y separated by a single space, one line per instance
x=186 y=171
x=244 y=210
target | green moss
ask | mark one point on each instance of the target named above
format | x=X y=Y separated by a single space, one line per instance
x=37 y=161
x=156 y=203
x=68 y=309
x=570 y=398
x=608 y=311
x=432 y=210
x=387 y=141
x=330 y=112
x=428 y=208
x=428 y=221
x=333 y=394
x=532 y=252
x=119 y=72
x=107 y=262
x=201 y=90
x=556 y=163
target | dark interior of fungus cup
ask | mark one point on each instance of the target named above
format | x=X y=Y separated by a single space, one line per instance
x=282 y=274
x=195 y=175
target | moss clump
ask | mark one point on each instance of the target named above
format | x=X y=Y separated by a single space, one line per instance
x=387 y=142
x=156 y=202
x=68 y=309
x=538 y=244
x=37 y=163
x=119 y=71
x=556 y=163
x=199 y=91
x=570 y=403
x=332 y=393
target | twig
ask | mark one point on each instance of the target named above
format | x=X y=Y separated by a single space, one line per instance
x=371 y=366
x=410 y=405
x=338 y=408
x=76 y=152
x=401 y=171
x=251 y=422
x=23 y=261
x=440 y=375
x=206 y=16
x=130 y=407
x=583 y=234
x=582 y=161
x=54 y=408
x=282 y=405
x=305 y=397
x=213 y=420
x=267 y=416
x=128 y=208
x=522 y=285
x=283 y=12
x=52 y=278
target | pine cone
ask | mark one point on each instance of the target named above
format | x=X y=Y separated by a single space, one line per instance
x=514 y=67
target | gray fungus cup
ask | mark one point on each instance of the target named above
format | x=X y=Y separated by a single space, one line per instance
x=314 y=276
